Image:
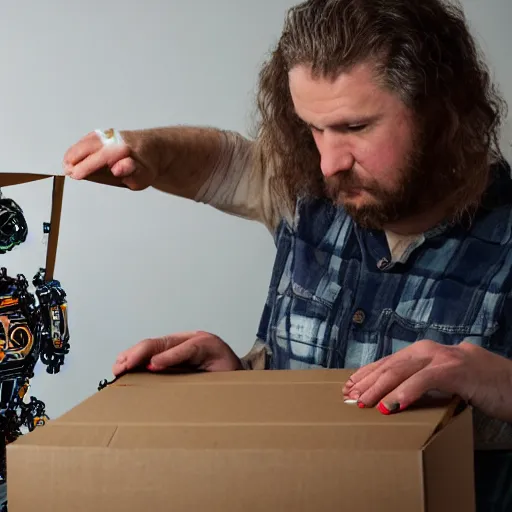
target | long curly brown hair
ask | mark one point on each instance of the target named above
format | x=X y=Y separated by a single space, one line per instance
x=425 y=54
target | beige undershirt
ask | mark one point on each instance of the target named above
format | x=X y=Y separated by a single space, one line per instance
x=398 y=244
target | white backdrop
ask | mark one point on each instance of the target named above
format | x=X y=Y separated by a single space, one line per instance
x=145 y=264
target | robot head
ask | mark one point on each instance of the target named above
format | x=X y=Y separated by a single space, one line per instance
x=13 y=226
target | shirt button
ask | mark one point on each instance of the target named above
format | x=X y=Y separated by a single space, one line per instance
x=382 y=263
x=359 y=317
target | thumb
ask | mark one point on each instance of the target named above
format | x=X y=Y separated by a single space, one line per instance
x=186 y=352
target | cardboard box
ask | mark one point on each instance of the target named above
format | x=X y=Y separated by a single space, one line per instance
x=242 y=441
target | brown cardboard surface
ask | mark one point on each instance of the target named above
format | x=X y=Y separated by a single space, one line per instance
x=250 y=440
x=446 y=486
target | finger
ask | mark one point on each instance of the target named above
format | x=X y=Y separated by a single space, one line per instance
x=141 y=353
x=134 y=175
x=376 y=387
x=83 y=148
x=139 y=180
x=195 y=351
x=106 y=156
x=187 y=352
x=358 y=389
x=119 y=367
x=123 y=168
x=361 y=373
x=413 y=388
x=137 y=355
x=421 y=349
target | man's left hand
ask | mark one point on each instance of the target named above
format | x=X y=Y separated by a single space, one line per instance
x=479 y=377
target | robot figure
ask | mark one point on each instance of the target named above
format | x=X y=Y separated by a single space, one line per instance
x=13 y=227
x=32 y=327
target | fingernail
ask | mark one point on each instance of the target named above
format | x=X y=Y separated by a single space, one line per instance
x=151 y=368
x=354 y=395
x=361 y=405
x=388 y=408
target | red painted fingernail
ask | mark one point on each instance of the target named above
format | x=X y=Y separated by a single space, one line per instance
x=150 y=367
x=388 y=409
x=361 y=405
x=382 y=408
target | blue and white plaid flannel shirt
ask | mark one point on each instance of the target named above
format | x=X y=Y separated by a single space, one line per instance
x=337 y=300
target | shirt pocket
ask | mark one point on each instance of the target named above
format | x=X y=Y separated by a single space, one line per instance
x=401 y=331
x=307 y=296
x=391 y=332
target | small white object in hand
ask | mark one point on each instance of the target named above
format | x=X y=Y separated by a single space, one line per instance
x=109 y=137
x=350 y=401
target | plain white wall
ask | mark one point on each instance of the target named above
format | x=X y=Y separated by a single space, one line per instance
x=145 y=264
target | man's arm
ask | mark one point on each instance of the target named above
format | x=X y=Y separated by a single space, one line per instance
x=208 y=165
x=181 y=159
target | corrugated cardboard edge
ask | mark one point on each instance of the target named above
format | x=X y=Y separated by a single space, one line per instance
x=142 y=377
x=449 y=483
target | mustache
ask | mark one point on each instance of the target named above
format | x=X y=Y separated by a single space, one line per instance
x=346 y=180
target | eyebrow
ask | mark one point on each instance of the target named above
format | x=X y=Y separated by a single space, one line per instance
x=343 y=125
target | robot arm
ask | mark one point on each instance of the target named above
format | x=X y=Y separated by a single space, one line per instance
x=53 y=330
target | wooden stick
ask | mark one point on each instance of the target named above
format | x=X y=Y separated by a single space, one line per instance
x=53 y=239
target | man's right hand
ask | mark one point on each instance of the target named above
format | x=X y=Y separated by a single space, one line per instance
x=89 y=156
x=197 y=349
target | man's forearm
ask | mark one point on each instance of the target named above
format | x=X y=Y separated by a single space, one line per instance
x=182 y=158
x=217 y=167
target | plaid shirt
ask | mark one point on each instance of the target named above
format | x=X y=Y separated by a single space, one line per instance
x=338 y=300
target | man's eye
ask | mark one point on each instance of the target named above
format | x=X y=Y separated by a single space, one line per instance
x=356 y=127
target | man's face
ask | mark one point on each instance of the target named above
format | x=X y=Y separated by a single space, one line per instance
x=366 y=139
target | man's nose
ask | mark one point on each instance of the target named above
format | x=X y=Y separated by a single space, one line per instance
x=335 y=161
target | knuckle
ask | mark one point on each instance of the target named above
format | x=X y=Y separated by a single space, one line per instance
x=205 y=335
x=92 y=138
x=425 y=344
x=453 y=358
x=150 y=342
x=425 y=347
x=210 y=340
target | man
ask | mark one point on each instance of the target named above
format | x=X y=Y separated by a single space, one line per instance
x=377 y=170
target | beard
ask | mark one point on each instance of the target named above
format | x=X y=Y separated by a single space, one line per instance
x=416 y=190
